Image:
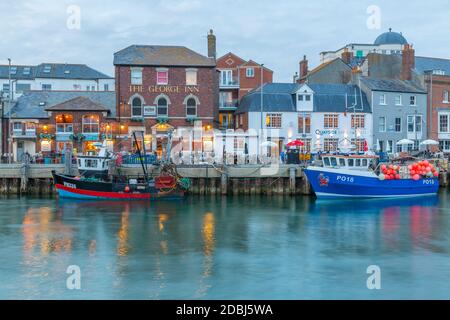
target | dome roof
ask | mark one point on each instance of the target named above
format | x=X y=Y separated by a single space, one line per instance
x=390 y=38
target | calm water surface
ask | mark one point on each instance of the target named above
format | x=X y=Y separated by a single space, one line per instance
x=225 y=248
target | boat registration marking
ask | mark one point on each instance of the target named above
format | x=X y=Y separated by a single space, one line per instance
x=345 y=179
x=429 y=181
x=70 y=185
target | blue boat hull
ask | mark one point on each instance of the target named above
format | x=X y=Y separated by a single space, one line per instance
x=330 y=184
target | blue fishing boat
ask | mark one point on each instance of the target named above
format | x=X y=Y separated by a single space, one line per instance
x=354 y=176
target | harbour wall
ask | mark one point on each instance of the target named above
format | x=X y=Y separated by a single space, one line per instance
x=33 y=179
x=36 y=179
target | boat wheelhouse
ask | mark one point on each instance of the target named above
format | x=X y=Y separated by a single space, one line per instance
x=349 y=162
x=95 y=164
x=355 y=176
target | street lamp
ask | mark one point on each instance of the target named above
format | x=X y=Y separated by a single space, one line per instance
x=261 y=106
x=9 y=115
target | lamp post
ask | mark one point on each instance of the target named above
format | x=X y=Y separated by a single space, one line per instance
x=9 y=115
x=261 y=110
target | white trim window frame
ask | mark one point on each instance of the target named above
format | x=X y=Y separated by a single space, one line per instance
x=444 y=123
x=399 y=100
x=382 y=124
x=162 y=76
x=136 y=76
x=383 y=99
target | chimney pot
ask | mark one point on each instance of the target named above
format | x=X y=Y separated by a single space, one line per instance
x=211 y=44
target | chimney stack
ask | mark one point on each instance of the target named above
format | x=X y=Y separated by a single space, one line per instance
x=347 y=56
x=303 y=67
x=408 y=62
x=211 y=45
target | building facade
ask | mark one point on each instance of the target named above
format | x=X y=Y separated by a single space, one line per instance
x=46 y=124
x=166 y=89
x=399 y=112
x=237 y=78
x=435 y=75
x=326 y=117
x=52 y=76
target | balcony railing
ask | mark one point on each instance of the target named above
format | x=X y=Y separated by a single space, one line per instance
x=229 y=82
x=17 y=133
x=233 y=104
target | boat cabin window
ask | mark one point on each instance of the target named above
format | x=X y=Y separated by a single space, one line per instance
x=358 y=162
x=342 y=162
x=79 y=162
x=364 y=162
x=90 y=163
x=326 y=161
x=333 y=162
x=351 y=162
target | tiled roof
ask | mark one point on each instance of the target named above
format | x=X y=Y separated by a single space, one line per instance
x=33 y=104
x=139 y=55
x=54 y=71
x=280 y=97
x=78 y=104
x=392 y=85
x=424 y=64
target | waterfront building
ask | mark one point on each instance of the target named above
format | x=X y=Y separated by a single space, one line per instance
x=49 y=123
x=435 y=75
x=52 y=77
x=388 y=43
x=164 y=89
x=237 y=78
x=326 y=117
x=399 y=112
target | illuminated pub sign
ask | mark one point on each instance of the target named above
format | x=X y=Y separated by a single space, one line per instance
x=165 y=89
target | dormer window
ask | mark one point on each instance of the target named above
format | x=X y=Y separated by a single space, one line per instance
x=304 y=97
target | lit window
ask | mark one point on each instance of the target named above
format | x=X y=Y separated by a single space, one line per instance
x=304 y=124
x=331 y=121
x=91 y=124
x=274 y=120
x=136 y=76
x=162 y=77
x=191 y=77
x=64 y=123
x=330 y=145
x=358 y=121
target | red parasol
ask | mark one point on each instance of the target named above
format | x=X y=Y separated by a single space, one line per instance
x=366 y=147
x=296 y=143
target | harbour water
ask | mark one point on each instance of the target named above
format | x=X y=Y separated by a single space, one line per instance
x=225 y=248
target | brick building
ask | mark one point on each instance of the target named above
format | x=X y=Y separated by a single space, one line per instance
x=237 y=78
x=48 y=123
x=160 y=89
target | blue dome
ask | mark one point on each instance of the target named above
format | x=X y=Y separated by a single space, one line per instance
x=390 y=38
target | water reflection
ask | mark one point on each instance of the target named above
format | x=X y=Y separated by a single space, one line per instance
x=196 y=248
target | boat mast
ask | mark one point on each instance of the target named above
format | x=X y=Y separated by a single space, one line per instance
x=144 y=169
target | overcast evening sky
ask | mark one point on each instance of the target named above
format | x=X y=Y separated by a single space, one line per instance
x=276 y=33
